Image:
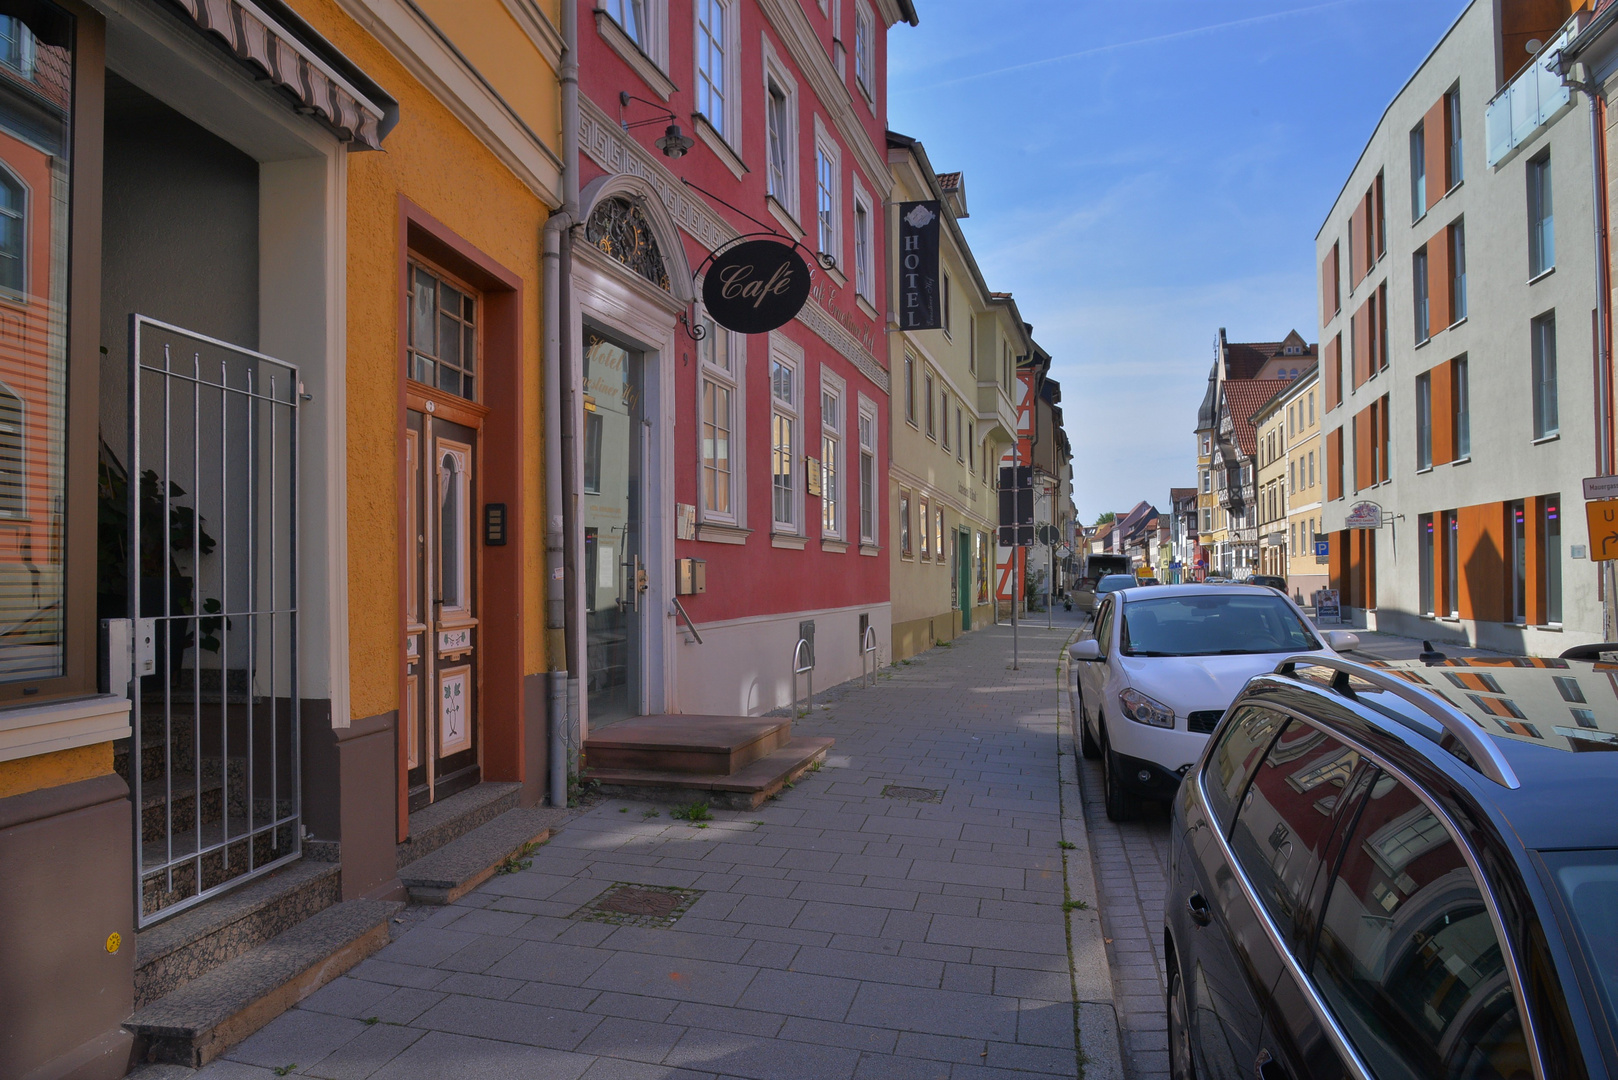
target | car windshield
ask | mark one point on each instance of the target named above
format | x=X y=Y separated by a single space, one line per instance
x=1217 y=625
x=1589 y=884
x=1114 y=582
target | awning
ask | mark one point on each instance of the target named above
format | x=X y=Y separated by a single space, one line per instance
x=298 y=62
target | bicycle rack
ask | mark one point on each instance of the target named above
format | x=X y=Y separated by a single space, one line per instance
x=799 y=668
x=868 y=648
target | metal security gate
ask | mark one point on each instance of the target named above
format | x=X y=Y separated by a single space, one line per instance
x=211 y=574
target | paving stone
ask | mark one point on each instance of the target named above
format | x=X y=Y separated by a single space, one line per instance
x=761 y=1059
x=673 y=977
x=440 y=1054
x=636 y=1040
x=365 y=1053
x=514 y=1021
x=296 y=1036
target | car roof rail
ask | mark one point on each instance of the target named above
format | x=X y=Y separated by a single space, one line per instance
x=1484 y=753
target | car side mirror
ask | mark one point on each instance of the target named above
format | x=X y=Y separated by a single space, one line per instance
x=1342 y=640
x=1087 y=650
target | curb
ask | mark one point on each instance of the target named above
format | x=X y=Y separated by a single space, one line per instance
x=1100 y=1043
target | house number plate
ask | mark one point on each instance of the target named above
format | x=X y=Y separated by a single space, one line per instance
x=455 y=640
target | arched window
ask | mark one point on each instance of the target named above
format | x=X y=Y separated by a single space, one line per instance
x=12 y=500
x=619 y=228
x=13 y=232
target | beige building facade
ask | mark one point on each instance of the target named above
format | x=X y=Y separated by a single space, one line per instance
x=1305 y=571
x=952 y=417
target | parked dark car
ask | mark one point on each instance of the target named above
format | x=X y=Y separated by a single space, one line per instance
x=1269 y=580
x=1400 y=870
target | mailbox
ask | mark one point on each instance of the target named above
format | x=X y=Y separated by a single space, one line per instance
x=691 y=576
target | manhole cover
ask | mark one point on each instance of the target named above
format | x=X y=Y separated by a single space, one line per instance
x=626 y=904
x=914 y=794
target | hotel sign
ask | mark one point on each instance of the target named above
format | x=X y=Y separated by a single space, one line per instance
x=756 y=286
x=919 y=301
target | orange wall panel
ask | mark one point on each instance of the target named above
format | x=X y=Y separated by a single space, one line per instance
x=1334 y=372
x=1440 y=314
x=1442 y=382
x=1483 y=562
x=1334 y=464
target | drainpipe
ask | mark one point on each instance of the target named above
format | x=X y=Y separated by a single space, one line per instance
x=1577 y=75
x=558 y=493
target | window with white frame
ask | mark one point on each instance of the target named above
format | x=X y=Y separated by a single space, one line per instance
x=631 y=15
x=932 y=406
x=715 y=56
x=826 y=191
x=868 y=487
x=717 y=373
x=943 y=419
x=864 y=51
x=784 y=443
x=972 y=344
x=864 y=275
x=960 y=434
x=831 y=455
x=781 y=134
x=971 y=446
x=944 y=291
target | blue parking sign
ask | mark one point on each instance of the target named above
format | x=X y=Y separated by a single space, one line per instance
x=1322 y=548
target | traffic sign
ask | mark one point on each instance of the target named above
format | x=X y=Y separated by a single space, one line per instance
x=1602 y=518
x=1322 y=548
x=1600 y=487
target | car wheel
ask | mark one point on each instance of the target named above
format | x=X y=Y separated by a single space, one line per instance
x=1181 y=1066
x=1121 y=805
x=1087 y=744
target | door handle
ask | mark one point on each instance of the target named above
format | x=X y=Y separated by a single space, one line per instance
x=1267 y=1068
x=1197 y=906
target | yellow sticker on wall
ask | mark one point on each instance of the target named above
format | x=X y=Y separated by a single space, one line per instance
x=115 y=941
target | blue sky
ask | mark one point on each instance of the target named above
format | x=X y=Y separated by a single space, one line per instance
x=1142 y=173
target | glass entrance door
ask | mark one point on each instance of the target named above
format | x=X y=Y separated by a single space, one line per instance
x=963 y=575
x=615 y=576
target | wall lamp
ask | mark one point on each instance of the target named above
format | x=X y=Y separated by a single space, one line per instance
x=674 y=142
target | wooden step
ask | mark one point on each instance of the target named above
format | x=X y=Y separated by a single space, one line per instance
x=686 y=743
x=455 y=869
x=438 y=823
x=196 y=1023
x=743 y=789
x=191 y=944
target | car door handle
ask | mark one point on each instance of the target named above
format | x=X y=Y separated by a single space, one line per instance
x=1267 y=1068
x=1198 y=908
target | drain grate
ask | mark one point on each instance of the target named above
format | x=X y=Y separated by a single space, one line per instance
x=914 y=794
x=624 y=904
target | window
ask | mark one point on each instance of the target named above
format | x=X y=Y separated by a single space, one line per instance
x=1207 y=520
x=1311 y=408
x=1463 y=410
x=1457 y=272
x=831 y=464
x=826 y=198
x=1284 y=821
x=868 y=490
x=1207 y=482
x=1418 y=278
x=17 y=46
x=1424 y=420
x=1519 y=562
x=938 y=533
x=910 y=389
x=863 y=269
x=1543 y=331
x=1292 y=477
x=712 y=53
x=1418 y=173
x=944 y=291
x=904 y=524
x=943 y=420
x=927 y=387
x=1241 y=746
x=1380 y=329
x=781 y=134
x=1541 y=231
x=13 y=220
x=13 y=495
x=442 y=334
x=972 y=344
x=1381 y=219
x=784 y=443
x=926 y=532
x=864 y=51
x=1551 y=552
x=960 y=432
x=718 y=422
x=1449 y=523
x=631 y=15
x=971 y=446
x=1424 y=559
x=1408 y=1009
x=1456 y=165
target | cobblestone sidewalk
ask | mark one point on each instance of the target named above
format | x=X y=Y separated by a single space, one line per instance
x=846 y=929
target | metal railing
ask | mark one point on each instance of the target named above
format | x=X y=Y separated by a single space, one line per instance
x=680 y=609
x=868 y=648
x=211 y=498
x=799 y=667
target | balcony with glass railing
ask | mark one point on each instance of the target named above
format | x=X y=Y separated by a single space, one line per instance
x=1531 y=100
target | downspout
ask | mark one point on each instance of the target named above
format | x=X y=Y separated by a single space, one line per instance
x=558 y=494
x=1603 y=359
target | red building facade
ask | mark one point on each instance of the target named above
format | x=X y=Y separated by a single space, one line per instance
x=738 y=477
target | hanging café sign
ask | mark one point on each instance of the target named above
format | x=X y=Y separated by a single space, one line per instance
x=755 y=286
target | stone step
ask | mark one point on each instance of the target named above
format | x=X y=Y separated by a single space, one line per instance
x=744 y=789
x=686 y=743
x=191 y=944
x=438 y=823
x=455 y=869
x=196 y=1023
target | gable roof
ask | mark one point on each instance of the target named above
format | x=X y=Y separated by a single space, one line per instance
x=1244 y=398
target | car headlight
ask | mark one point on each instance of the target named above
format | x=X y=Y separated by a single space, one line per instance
x=1143 y=710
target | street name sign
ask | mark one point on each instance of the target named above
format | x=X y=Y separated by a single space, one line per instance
x=1600 y=487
